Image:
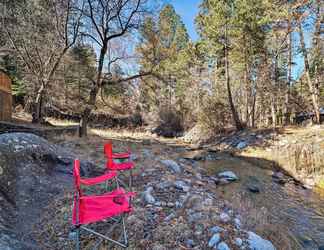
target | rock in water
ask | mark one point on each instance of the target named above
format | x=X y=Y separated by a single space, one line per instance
x=172 y=165
x=253 y=188
x=228 y=175
x=256 y=242
x=241 y=145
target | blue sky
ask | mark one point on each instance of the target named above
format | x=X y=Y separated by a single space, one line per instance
x=187 y=9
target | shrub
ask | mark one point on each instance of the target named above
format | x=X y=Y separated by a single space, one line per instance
x=170 y=122
x=214 y=115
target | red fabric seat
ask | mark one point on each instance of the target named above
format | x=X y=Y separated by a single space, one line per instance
x=93 y=208
x=97 y=208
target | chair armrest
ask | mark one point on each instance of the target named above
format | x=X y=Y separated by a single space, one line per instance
x=99 y=179
x=121 y=155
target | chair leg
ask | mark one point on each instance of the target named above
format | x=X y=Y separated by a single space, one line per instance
x=124 y=231
x=77 y=239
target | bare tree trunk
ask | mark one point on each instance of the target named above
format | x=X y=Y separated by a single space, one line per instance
x=236 y=118
x=93 y=93
x=314 y=90
x=273 y=112
x=253 y=110
x=287 y=94
x=247 y=83
x=37 y=109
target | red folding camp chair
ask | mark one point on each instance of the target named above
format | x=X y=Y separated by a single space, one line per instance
x=88 y=209
x=113 y=164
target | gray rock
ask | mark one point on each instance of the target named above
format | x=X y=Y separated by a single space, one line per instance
x=172 y=165
x=238 y=242
x=253 y=188
x=147 y=153
x=182 y=186
x=241 y=145
x=170 y=217
x=190 y=243
x=223 y=246
x=216 y=229
x=178 y=204
x=194 y=217
x=214 y=240
x=255 y=242
x=10 y=242
x=133 y=157
x=228 y=175
x=148 y=197
x=224 y=217
x=237 y=223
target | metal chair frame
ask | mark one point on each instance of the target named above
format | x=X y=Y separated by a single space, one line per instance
x=78 y=227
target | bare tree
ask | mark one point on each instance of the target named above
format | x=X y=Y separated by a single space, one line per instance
x=106 y=20
x=41 y=34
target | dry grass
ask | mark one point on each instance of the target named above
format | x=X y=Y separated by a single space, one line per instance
x=299 y=151
x=57 y=122
x=122 y=134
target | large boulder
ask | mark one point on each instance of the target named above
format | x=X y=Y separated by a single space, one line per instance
x=32 y=173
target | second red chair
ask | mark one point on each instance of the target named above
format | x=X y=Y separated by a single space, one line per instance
x=113 y=164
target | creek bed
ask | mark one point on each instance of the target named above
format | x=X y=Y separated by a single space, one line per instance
x=293 y=215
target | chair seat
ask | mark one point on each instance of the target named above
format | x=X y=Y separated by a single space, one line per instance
x=121 y=166
x=96 y=208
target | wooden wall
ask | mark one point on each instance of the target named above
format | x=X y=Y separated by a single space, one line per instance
x=5 y=97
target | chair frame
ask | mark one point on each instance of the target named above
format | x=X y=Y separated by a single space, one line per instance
x=78 y=227
x=110 y=160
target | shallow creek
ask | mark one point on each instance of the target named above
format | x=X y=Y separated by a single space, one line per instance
x=294 y=213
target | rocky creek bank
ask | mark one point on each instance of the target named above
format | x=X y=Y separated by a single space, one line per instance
x=175 y=207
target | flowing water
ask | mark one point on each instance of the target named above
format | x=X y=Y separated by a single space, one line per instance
x=294 y=215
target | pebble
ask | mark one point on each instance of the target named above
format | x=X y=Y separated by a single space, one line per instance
x=258 y=243
x=223 y=246
x=190 y=243
x=253 y=188
x=148 y=197
x=169 y=217
x=228 y=175
x=238 y=242
x=172 y=165
x=216 y=229
x=182 y=186
x=241 y=145
x=214 y=240
x=237 y=223
x=224 y=217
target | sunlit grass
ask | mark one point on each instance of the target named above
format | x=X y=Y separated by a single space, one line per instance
x=57 y=122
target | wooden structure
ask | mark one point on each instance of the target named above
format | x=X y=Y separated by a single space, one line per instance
x=5 y=97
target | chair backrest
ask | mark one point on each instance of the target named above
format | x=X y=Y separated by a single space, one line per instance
x=76 y=175
x=109 y=153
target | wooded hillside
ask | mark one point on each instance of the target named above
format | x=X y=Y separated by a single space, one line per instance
x=135 y=57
